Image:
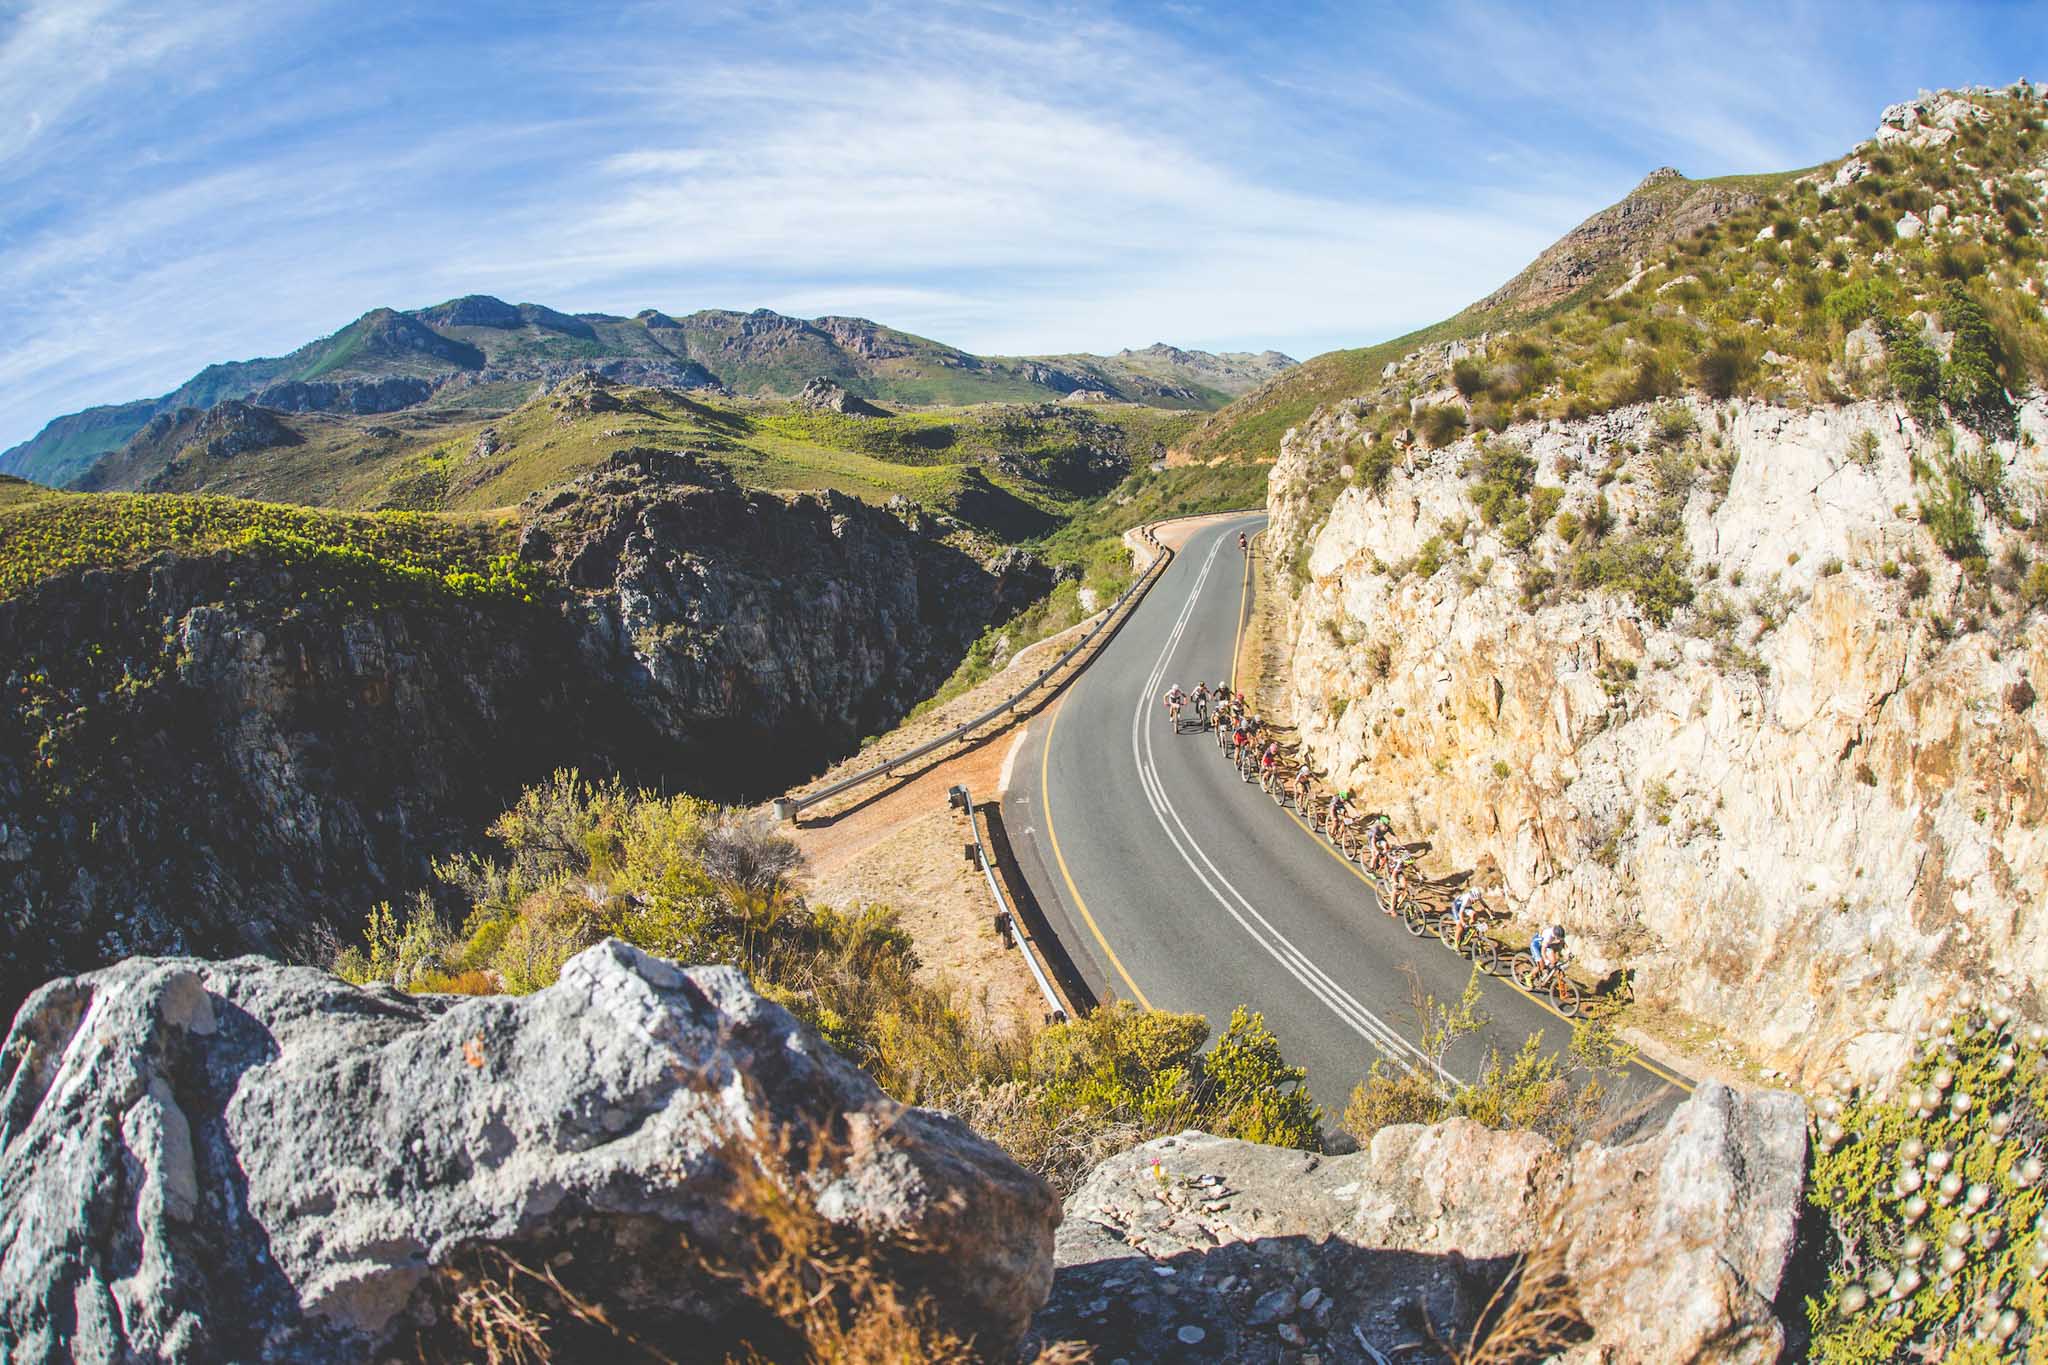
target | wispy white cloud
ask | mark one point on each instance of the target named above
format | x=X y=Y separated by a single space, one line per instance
x=187 y=184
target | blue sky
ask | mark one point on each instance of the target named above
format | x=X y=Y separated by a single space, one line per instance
x=183 y=183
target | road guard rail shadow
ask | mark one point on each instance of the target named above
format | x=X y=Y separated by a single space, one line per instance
x=792 y=806
x=1057 y=960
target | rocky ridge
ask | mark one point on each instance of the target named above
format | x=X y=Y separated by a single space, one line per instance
x=1665 y=207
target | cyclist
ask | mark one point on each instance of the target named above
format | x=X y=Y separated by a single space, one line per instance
x=1547 y=947
x=1381 y=832
x=1465 y=908
x=1175 y=699
x=1239 y=737
x=1269 y=763
x=1340 y=810
x=1244 y=546
x=1302 y=781
x=1202 y=704
x=1397 y=880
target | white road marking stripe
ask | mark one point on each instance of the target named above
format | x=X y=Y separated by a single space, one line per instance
x=1296 y=963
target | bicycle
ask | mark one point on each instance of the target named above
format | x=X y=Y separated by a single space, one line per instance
x=1173 y=710
x=1419 y=919
x=1533 y=977
x=1471 y=939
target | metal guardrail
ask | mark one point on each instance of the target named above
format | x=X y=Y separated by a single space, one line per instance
x=1006 y=919
x=788 y=807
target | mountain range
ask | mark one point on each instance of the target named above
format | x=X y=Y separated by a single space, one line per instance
x=479 y=355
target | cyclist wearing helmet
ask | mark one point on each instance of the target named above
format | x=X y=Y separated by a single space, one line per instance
x=1547 y=947
x=1202 y=704
x=1243 y=545
x=1175 y=699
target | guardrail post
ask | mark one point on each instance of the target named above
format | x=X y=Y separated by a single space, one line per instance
x=785 y=808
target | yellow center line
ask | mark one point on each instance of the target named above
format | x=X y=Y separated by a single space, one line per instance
x=1073 y=891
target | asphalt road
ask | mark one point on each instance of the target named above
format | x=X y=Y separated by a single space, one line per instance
x=1171 y=881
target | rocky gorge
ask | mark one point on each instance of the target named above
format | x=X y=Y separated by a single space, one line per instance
x=237 y=752
x=1792 y=781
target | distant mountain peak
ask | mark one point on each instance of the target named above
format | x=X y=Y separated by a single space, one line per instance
x=477 y=352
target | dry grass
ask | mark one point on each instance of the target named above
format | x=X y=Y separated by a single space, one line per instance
x=1534 y=1314
x=800 y=1289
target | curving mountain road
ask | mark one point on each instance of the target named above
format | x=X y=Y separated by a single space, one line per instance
x=1172 y=882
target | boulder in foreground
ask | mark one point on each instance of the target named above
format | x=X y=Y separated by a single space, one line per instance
x=240 y=1160
x=1202 y=1248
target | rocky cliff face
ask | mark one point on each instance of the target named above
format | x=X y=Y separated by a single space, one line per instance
x=232 y=754
x=1794 y=780
x=242 y=1161
x=1673 y=1247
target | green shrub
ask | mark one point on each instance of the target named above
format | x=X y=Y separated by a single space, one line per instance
x=1923 y=1273
x=1972 y=381
x=366 y=560
x=1430 y=557
x=1375 y=465
x=1559 y=1096
x=1725 y=366
x=1441 y=424
x=1914 y=368
x=1949 y=513
x=1505 y=475
x=1469 y=377
x=1859 y=300
x=1672 y=424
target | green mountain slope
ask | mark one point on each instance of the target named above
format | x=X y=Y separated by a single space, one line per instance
x=1006 y=471
x=1570 y=277
x=482 y=356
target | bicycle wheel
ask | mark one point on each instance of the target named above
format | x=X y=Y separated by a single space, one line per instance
x=1566 y=995
x=1486 y=952
x=1448 y=932
x=1523 y=972
x=1416 y=918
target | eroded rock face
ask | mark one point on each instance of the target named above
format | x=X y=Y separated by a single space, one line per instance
x=1675 y=1244
x=1807 y=809
x=241 y=1160
x=763 y=626
x=224 y=755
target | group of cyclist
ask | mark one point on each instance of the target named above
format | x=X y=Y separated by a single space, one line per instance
x=1240 y=732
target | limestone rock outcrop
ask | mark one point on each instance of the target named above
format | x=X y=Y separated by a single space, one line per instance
x=1203 y=1248
x=246 y=1161
x=1805 y=808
